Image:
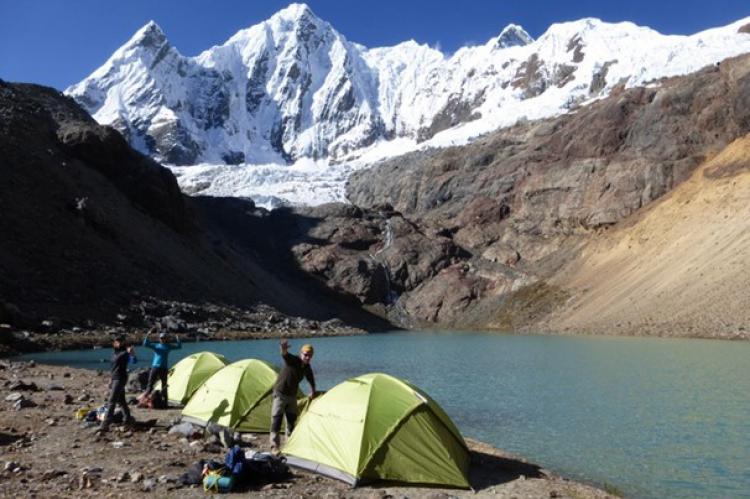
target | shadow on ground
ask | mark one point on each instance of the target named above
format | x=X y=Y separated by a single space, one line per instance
x=488 y=470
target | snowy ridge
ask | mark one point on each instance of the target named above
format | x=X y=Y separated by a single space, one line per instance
x=293 y=91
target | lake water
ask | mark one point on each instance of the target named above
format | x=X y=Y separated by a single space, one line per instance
x=651 y=417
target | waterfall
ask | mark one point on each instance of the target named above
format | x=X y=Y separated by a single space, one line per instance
x=390 y=296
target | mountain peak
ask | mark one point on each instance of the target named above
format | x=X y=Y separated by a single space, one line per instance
x=295 y=10
x=295 y=13
x=513 y=35
x=149 y=36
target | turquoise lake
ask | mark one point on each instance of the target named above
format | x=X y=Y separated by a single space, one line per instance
x=651 y=417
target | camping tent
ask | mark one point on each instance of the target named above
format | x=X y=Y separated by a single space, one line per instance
x=378 y=427
x=238 y=397
x=188 y=375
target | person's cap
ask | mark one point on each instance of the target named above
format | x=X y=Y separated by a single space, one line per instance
x=162 y=336
x=307 y=349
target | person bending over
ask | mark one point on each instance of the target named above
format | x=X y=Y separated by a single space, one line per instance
x=286 y=387
x=160 y=362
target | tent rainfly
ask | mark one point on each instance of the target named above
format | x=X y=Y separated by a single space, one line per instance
x=239 y=397
x=190 y=373
x=378 y=427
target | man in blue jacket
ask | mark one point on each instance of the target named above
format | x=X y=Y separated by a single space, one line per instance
x=160 y=363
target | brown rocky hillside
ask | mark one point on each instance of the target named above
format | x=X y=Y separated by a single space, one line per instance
x=681 y=267
x=523 y=203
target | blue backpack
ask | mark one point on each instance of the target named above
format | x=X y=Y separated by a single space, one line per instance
x=235 y=462
x=225 y=478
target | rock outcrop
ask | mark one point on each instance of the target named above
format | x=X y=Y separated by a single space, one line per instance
x=523 y=201
x=93 y=232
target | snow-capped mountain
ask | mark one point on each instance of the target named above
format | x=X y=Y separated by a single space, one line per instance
x=294 y=88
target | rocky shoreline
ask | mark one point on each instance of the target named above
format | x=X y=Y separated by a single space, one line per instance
x=205 y=322
x=46 y=452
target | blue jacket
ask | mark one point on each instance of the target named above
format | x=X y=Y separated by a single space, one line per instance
x=161 y=352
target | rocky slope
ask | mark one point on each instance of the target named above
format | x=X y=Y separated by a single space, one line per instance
x=678 y=268
x=293 y=87
x=96 y=234
x=522 y=203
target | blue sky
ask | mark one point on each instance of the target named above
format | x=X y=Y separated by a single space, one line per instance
x=58 y=42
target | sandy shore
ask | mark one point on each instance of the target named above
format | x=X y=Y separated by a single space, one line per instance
x=46 y=452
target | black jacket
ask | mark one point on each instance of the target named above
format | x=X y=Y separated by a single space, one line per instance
x=120 y=360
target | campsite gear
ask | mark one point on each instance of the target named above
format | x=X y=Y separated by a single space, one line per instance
x=103 y=411
x=157 y=374
x=235 y=463
x=81 y=413
x=153 y=400
x=214 y=481
x=264 y=467
x=237 y=397
x=378 y=427
x=194 y=474
x=189 y=374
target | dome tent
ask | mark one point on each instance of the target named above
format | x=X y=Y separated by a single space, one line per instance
x=378 y=427
x=189 y=374
x=238 y=397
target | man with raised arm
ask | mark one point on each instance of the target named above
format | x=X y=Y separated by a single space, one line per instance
x=286 y=387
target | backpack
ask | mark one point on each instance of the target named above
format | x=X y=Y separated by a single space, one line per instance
x=264 y=467
x=153 y=401
x=216 y=482
x=215 y=476
x=157 y=400
x=235 y=462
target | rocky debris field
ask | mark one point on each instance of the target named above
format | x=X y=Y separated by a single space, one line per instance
x=46 y=452
x=200 y=322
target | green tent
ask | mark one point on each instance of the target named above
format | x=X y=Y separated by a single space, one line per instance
x=238 y=397
x=190 y=373
x=377 y=427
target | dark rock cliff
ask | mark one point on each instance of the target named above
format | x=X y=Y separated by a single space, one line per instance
x=91 y=229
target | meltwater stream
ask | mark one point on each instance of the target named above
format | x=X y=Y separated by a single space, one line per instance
x=651 y=417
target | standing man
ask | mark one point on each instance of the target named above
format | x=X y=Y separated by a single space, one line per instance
x=286 y=387
x=160 y=362
x=121 y=357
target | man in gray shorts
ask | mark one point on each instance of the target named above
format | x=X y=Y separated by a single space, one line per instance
x=285 y=390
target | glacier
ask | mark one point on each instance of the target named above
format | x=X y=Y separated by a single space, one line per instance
x=284 y=110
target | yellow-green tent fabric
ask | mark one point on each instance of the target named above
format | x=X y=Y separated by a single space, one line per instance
x=238 y=396
x=378 y=427
x=190 y=373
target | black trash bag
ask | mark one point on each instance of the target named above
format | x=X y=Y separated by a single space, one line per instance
x=194 y=474
x=264 y=467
